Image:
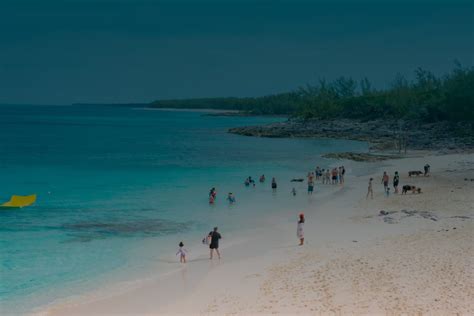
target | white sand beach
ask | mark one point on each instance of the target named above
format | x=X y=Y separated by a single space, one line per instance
x=419 y=259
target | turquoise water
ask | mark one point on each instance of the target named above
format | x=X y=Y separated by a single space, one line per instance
x=118 y=188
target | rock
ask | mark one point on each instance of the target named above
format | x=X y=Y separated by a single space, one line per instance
x=382 y=134
x=359 y=156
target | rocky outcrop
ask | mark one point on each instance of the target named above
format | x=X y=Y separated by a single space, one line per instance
x=359 y=156
x=381 y=134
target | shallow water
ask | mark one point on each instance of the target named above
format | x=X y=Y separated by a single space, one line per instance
x=118 y=188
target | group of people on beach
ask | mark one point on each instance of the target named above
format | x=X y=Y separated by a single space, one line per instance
x=327 y=176
x=395 y=182
x=212 y=239
x=331 y=176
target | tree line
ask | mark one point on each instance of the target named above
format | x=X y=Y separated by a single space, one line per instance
x=427 y=97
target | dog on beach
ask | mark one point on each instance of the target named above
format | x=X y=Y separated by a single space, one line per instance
x=415 y=173
x=411 y=188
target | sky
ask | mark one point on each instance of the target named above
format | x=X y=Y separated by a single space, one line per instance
x=120 y=51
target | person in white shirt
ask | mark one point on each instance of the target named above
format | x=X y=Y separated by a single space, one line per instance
x=299 y=230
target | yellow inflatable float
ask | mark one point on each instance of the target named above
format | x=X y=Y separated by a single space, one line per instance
x=19 y=201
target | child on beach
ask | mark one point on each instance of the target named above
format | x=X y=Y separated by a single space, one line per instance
x=182 y=253
x=370 y=190
x=299 y=229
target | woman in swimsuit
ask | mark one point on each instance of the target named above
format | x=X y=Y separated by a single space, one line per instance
x=370 y=190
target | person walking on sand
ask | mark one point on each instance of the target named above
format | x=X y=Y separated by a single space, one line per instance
x=370 y=191
x=215 y=236
x=299 y=229
x=396 y=180
x=182 y=253
x=385 y=179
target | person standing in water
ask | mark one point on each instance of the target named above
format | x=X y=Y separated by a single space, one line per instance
x=396 y=180
x=262 y=178
x=299 y=229
x=385 y=179
x=231 y=198
x=213 y=193
x=182 y=253
x=214 y=236
x=370 y=190
x=274 y=184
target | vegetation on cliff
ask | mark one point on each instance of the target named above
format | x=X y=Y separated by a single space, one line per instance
x=428 y=98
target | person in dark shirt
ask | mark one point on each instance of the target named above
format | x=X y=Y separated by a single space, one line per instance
x=215 y=236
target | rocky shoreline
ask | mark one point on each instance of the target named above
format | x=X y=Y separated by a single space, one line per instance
x=382 y=135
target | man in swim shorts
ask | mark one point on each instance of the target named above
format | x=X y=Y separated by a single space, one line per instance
x=215 y=236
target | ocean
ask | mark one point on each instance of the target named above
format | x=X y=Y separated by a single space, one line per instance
x=118 y=188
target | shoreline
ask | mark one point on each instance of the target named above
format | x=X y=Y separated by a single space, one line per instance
x=259 y=273
x=214 y=111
